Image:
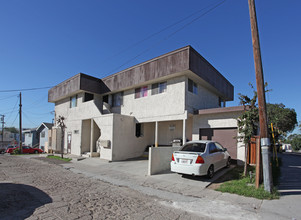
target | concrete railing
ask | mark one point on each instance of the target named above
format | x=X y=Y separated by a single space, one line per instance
x=159 y=159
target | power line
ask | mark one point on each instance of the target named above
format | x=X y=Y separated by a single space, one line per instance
x=30 y=89
x=173 y=33
x=158 y=32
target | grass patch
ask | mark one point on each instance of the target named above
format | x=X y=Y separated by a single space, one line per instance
x=240 y=185
x=59 y=158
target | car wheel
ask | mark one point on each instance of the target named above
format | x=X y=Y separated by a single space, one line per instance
x=228 y=162
x=210 y=172
x=36 y=152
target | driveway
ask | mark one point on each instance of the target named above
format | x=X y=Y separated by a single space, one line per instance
x=135 y=170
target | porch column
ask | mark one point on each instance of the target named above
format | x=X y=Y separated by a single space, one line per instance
x=184 y=131
x=91 y=136
x=156 y=134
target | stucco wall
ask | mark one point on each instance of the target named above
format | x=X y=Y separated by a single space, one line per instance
x=221 y=120
x=105 y=124
x=126 y=144
x=168 y=103
x=159 y=159
x=202 y=100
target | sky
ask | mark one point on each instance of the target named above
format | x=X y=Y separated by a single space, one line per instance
x=43 y=43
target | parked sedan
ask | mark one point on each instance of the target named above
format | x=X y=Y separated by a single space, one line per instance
x=200 y=158
x=26 y=150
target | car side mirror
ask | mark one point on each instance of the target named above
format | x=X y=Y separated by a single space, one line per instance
x=225 y=149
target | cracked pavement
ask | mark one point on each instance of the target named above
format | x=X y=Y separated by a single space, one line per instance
x=34 y=189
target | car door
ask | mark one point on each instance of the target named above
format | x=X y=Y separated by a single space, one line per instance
x=222 y=156
x=25 y=150
x=213 y=156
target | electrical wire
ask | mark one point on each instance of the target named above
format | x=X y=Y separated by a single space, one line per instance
x=8 y=97
x=173 y=33
x=30 y=89
x=158 y=32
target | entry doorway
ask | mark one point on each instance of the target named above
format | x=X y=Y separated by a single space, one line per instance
x=69 y=137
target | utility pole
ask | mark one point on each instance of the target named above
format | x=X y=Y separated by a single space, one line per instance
x=20 y=123
x=2 y=121
x=61 y=124
x=264 y=136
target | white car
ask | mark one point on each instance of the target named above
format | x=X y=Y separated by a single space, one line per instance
x=200 y=158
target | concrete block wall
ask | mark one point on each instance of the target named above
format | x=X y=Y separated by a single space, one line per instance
x=159 y=159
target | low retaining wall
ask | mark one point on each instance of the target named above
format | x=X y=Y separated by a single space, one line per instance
x=159 y=159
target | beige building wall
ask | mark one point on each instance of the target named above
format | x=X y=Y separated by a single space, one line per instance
x=221 y=120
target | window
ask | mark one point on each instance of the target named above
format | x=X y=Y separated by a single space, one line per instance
x=195 y=147
x=221 y=102
x=139 y=130
x=192 y=87
x=158 y=88
x=88 y=97
x=73 y=101
x=212 y=148
x=141 y=92
x=219 y=147
x=117 y=99
x=43 y=134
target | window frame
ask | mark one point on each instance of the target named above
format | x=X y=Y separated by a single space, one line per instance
x=73 y=101
x=139 y=130
x=117 y=99
x=141 y=92
x=158 y=88
x=192 y=86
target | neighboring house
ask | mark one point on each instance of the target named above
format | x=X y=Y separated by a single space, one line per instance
x=9 y=138
x=30 y=137
x=176 y=95
x=42 y=132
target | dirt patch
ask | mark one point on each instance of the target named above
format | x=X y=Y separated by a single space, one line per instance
x=51 y=160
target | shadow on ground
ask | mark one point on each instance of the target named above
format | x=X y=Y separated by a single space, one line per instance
x=18 y=201
x=290 y=180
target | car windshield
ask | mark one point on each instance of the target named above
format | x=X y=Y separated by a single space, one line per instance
x=194 y=147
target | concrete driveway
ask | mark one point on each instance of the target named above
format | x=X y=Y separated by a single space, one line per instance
x=134 y=172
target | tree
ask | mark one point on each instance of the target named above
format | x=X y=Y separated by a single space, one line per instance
x=295 y=141
x=248 y=121
x=284 y=119
x=61 y=124
x=11 y=129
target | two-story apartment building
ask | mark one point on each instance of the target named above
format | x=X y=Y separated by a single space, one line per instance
x=149 y=104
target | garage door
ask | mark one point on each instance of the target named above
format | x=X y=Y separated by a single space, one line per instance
x=225 y=136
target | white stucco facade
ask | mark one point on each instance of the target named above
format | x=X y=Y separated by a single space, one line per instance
x=150 y=104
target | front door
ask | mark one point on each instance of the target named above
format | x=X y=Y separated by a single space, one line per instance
x=69 y=143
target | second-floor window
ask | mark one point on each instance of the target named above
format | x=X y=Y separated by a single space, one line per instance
x=192 y=87
x=141 y=92
x=43 y=134
x=158 y=88
x=117 y=99
x=73 y=101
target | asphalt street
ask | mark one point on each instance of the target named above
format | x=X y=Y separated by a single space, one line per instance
x=34 y=187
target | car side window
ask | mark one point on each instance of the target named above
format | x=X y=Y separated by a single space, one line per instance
x=212 y=148
x=219 y=147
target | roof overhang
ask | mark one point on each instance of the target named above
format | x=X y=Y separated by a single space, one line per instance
x=184 y=61
x=233 y=109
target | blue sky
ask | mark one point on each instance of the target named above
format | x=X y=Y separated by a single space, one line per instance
x=42 y=43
